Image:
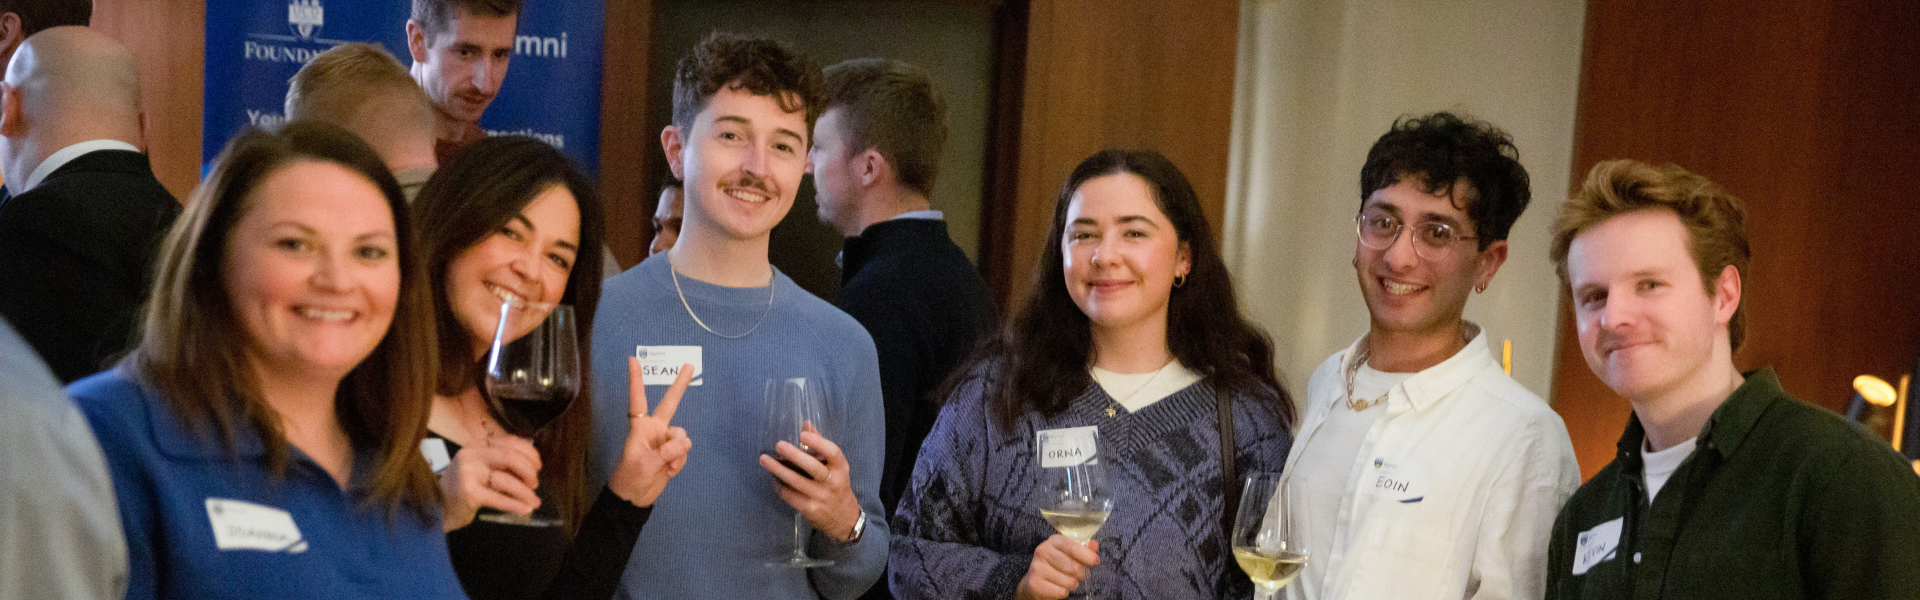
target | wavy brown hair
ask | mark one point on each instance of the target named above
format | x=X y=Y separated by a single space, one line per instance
x=1715 y=220
x=192 y=345
x=1038 y=361
x=467 y=200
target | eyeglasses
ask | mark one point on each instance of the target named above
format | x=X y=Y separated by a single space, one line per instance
x=1380 y=230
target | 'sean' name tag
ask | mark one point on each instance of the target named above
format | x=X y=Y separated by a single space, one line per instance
x=1597 y=545
x=660 y=365
x=240 y=525
x=435 y=450
x=1067 y=447
x=1396 y=480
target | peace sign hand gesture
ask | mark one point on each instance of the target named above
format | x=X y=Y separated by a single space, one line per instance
x=655 y=451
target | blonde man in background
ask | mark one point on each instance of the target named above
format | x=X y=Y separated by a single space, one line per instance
x=363 y=89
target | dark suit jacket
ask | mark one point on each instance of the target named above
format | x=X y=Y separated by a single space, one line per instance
x=76 y=258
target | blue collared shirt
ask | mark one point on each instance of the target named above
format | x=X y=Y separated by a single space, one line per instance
x=203 y=522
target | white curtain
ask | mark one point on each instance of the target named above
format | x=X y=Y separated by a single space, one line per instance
x=1318 y=81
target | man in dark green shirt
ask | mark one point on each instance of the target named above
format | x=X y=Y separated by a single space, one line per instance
x=1724 y=486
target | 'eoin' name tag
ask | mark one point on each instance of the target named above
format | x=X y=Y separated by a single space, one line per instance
x=660 y=365
x=240 y=525
x=1397 y=480
x=1595 y=546
x=1067 y=447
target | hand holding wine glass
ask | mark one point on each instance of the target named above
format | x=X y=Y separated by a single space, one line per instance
x=655 y=451
x=1265 y=544
x=530 y=381
x=810 y=473
x=1059 y=565
x=1075 y=498
x=500 y=473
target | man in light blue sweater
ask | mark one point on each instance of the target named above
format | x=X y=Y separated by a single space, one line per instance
x=742 y=117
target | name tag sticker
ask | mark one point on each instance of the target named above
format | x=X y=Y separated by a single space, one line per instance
x=240 y=525
x=435 y=449
x=660 y=365
x=1396 y=480
x=1597 y=545
x=1067 y=447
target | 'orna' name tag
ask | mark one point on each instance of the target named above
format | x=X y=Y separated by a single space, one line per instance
x=1597 y=545
x=1068 y=446
x=660 y=365
x=241 y=525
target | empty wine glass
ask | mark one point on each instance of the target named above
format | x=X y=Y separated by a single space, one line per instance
x=792 y=404
x=1265 y=544
x=530 y=381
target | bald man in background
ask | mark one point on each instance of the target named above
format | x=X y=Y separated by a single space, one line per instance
x=78 y=237
x=22 y=18
x=365 y=90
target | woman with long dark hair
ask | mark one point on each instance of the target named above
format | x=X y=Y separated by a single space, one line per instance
x=511 y=220
x=1131 y=327
x=263 y=437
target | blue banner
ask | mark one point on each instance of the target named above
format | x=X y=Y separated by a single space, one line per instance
x=551 y=91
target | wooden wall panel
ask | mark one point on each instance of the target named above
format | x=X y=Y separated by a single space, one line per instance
x=1807 y=112
x=169 y=39
x=629 y=150
x=1103 y=73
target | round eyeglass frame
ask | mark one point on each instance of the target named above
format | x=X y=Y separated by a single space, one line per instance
x=1422 y=246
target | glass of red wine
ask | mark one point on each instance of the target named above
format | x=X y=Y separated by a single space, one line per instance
x=530 y=381
x=792 y=404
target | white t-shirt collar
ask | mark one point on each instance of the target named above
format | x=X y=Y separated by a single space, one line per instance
x=64 y=155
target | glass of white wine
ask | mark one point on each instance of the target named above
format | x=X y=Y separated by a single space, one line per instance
x=1265 y=544
x=1074 y=495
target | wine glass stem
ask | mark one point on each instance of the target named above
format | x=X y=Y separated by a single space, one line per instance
x=799 y=536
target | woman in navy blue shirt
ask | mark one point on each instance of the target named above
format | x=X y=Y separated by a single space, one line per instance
x=263 y=437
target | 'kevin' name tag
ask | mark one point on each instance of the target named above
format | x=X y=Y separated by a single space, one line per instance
x=1595 y=546
x=241 y=525
x=1069 y=446
x=660 y=365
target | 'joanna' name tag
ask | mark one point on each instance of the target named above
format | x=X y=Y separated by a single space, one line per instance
x=1597 y=545
x=660 y=365
x=1068 y=446
x=241 y=525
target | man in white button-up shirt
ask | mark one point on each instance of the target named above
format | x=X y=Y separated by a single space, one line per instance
x=1422 y=470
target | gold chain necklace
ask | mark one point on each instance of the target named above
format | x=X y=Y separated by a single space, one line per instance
x=1113 y=405
x=1467 y=333
x=1353 y=371
x=703 y=324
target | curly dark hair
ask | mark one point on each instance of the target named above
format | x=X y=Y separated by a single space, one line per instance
x=757 y=65
x=1038 y=361
x=1440 y=149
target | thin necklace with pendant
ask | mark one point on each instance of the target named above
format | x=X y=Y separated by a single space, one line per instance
x=703 y=324
x=1113 y=406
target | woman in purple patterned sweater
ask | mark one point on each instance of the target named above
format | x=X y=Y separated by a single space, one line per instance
x=1132 y=328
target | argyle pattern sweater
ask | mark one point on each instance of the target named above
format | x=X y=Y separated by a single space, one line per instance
x=970 y=520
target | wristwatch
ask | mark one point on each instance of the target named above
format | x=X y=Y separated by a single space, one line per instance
x=859 y=528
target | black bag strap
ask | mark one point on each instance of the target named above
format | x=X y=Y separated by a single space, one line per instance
x=1231 y=481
